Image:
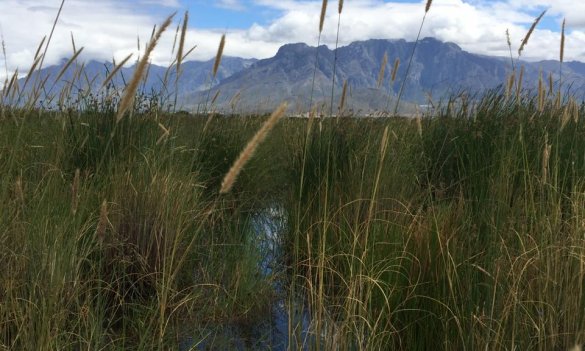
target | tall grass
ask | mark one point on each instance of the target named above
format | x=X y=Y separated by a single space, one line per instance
x=462 y=230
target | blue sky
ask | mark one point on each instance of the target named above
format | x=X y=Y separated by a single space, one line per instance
x=244 y=13
x=257 y=28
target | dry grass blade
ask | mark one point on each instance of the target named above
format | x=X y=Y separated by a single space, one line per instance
x=182 y=44
x=73 y=43
x=130 y=92
x=68 y=64
x=116 y=69
x=217 y=61
x=189 y=52
x=4 y=53
x=323 y=13
x=382 y=70
x=527 y=37
x=215 y=96
x=340 y=7
x=248 y=152
x=428 y=6
x=40 y=47
x=541 y=92
x=11 y=84
x=519 y=84
x=31 y=70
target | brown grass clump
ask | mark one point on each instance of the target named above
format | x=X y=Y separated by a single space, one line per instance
x=219 y=55
x=248 y=152
x=130 y=92
x=525 y=40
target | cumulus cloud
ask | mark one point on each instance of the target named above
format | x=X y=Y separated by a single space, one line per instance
x=110 y=28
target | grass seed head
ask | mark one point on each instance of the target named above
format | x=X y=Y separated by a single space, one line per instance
x=250 y=149
x=218 y=56
x=323 y=13
x=527 y=37
x=428 y=6
x=130 y=92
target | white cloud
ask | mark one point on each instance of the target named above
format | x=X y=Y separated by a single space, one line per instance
x=110 y=27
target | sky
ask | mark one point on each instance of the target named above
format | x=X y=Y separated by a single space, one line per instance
x=108 y=29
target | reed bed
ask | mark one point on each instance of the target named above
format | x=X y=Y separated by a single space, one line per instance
x=460 y=230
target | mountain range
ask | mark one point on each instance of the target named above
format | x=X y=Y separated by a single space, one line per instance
x=438 y=70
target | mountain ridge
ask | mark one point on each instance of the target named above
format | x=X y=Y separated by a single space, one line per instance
x=439 y=70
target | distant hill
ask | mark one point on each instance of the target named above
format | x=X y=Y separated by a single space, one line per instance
x=438 y=70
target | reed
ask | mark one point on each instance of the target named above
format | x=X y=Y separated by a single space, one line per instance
x=180 y=50
x=117 y=68
x=509 y=42
x=321 y=24
x=382 y=71
x=250 y=149
x=529 y=33
x=335 y=57
x=129 y=94
x=562 y=54
x=219 y=55
x=395 y=69
x=403 y=85
x=322 y=16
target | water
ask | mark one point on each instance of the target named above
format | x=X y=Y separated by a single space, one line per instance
x=272 y=332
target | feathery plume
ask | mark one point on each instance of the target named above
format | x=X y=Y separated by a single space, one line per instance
x=395 y=69
x=510 y=85
x=519 y=85
x=428 y=6
x=116 y=69
x=130 y=92
x=525 y=40
x=382 y=69
x=340 y=7
x=323 y=13
x=248 y=152
x=219 y=55
x=182 y=43
x=68 y=64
